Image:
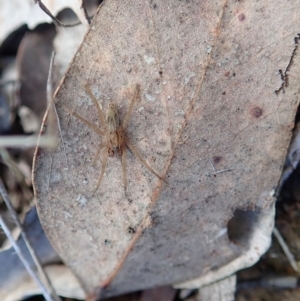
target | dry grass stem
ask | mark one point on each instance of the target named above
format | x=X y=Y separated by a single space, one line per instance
x=40 y=269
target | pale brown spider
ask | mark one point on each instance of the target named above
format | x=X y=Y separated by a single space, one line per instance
x=115 y=139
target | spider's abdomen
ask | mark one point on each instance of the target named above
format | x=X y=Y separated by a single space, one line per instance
x=116 y=141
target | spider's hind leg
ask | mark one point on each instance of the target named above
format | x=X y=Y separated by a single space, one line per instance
x=104 y=162
x=138 y=155
x=97 y=154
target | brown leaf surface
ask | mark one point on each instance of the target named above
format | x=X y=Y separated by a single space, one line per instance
x=208 y=120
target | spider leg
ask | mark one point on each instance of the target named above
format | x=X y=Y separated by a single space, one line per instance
x=89 y=124
x=137 y=94
x=138 y=155
x=104 y=161
x=96 y=104
x=97 y=154
x=124 y=169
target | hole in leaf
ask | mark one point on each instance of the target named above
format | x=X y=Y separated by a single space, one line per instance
x=241 y=226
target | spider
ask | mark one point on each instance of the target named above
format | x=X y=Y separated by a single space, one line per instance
x=115 y=139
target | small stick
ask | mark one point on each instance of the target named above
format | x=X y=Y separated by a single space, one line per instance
x=58 y=23
x=222 y=170
x=284 y=74
x=286 y=250
x=29 y=247
x=52 y=107
x=84 y=13
x=24 y=261
x=26 y=141
x=44 y=8
x=50 y=103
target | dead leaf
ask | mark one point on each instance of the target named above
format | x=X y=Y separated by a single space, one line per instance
x=35 y=50
x=208 y=120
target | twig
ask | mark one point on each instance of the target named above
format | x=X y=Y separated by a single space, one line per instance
x=7 y=82
x=14 y=215
x=220 y=171
x=44 y=8
x=24 y=261
x=52 y=107
x=84 y=13
x=286 y=250
x=50 y=103
x=5 y=158
x=284 y=74
x=25 y=142
x=212 y=166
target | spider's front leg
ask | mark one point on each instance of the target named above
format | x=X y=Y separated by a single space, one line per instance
x=137 y=95
x=89 y=92
x=97 y=154
x=85 y=121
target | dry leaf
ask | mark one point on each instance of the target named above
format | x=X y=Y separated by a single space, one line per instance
x=35 y=50
x=208 y=121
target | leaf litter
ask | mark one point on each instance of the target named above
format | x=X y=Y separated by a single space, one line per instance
x=230 y=119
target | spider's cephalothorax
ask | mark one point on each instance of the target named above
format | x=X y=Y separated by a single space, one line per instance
x=114 y=132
